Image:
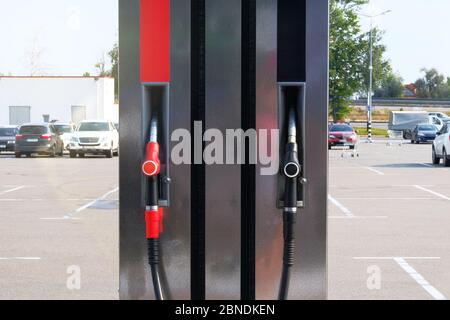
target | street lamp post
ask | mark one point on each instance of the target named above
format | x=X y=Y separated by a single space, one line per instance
x=370 y=91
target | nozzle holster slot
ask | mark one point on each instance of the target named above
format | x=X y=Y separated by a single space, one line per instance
x=156 y=106
x=291 y=100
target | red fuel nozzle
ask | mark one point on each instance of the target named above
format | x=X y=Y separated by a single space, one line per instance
x=152 y=164
x=154 y=223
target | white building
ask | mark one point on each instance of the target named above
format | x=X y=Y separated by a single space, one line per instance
x=66 y=99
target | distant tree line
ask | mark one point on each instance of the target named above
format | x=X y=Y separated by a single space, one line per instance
x=349 y=59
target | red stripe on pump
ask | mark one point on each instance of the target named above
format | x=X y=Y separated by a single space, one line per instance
x=155 y=41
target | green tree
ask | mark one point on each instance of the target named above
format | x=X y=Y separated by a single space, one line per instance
x=391 y=86
x=114 y=56
x=349 y=56
x=433 y=85
x=382 y=70
x=346 y=51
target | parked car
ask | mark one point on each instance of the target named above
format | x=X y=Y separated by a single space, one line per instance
x=66 y=131
x=437 y=122
x=95 y=137
x=406 y=121
x=423 y=133
x=441 y=146
x=440 y=115
x=8 y=138
x=40 y=138
x=342 y=135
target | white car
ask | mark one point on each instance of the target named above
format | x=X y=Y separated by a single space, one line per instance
x=96 y=137
x=441 y=146
x=66 y=131
x=437 y=122
x=439 y=115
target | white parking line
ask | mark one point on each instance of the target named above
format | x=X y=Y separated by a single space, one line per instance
x=346 y=211
x=70 y=216
x=426 y=165
x=401 y=261
x=419 y=279
x=432 y=192
x=11 y=190
x=358 y=218
x=375 y=171
x=378 y=199
x=392 y=258
x=21 y=258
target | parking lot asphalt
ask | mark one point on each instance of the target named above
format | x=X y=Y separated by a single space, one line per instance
x=58 y=228
x=389 y=224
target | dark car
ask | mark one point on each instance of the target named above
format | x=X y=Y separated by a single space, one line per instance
x=342 y=135
x=38 y=138
x=8 y=138
x=423 y=133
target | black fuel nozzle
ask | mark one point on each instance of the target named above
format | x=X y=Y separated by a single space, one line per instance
x=292 y=167
x=292 y=170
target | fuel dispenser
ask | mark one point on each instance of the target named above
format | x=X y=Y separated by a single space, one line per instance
x=223 y=231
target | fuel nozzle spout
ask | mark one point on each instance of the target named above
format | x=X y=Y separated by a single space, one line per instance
x=152 y=163
x=292 y=171
x=292 y=167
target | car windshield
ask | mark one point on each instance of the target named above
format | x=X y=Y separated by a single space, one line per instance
x=33 y=130
x=7 y=132
x=94 y=126
x=63 y=128
x=341 y=128
x=427 y=128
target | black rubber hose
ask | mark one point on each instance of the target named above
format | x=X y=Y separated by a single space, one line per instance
x=288 y=253
x=154 y=261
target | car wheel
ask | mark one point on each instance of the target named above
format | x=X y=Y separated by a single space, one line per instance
x=81 y=155
x=435 y=158
x=73 y=154
x=18 y=155
x=413 y=142
x=446 y=159
x=52 y=152
x=109 y=154
x=116 y=153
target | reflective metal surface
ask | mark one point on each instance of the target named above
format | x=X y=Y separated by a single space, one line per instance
x=309 y=278
x=135 y=281
x=176 y=240
x=134 y=276
x=269 y=228
x=223 y=110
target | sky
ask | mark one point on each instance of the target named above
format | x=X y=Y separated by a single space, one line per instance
x=57 y=37
x=416 y=34
x=68 y=37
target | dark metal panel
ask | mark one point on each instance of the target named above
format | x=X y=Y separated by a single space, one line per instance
x=309 y=280
x=268 y=218
x=135 y=281
x=223 y=109
x=134 y=278
x=176 y=240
